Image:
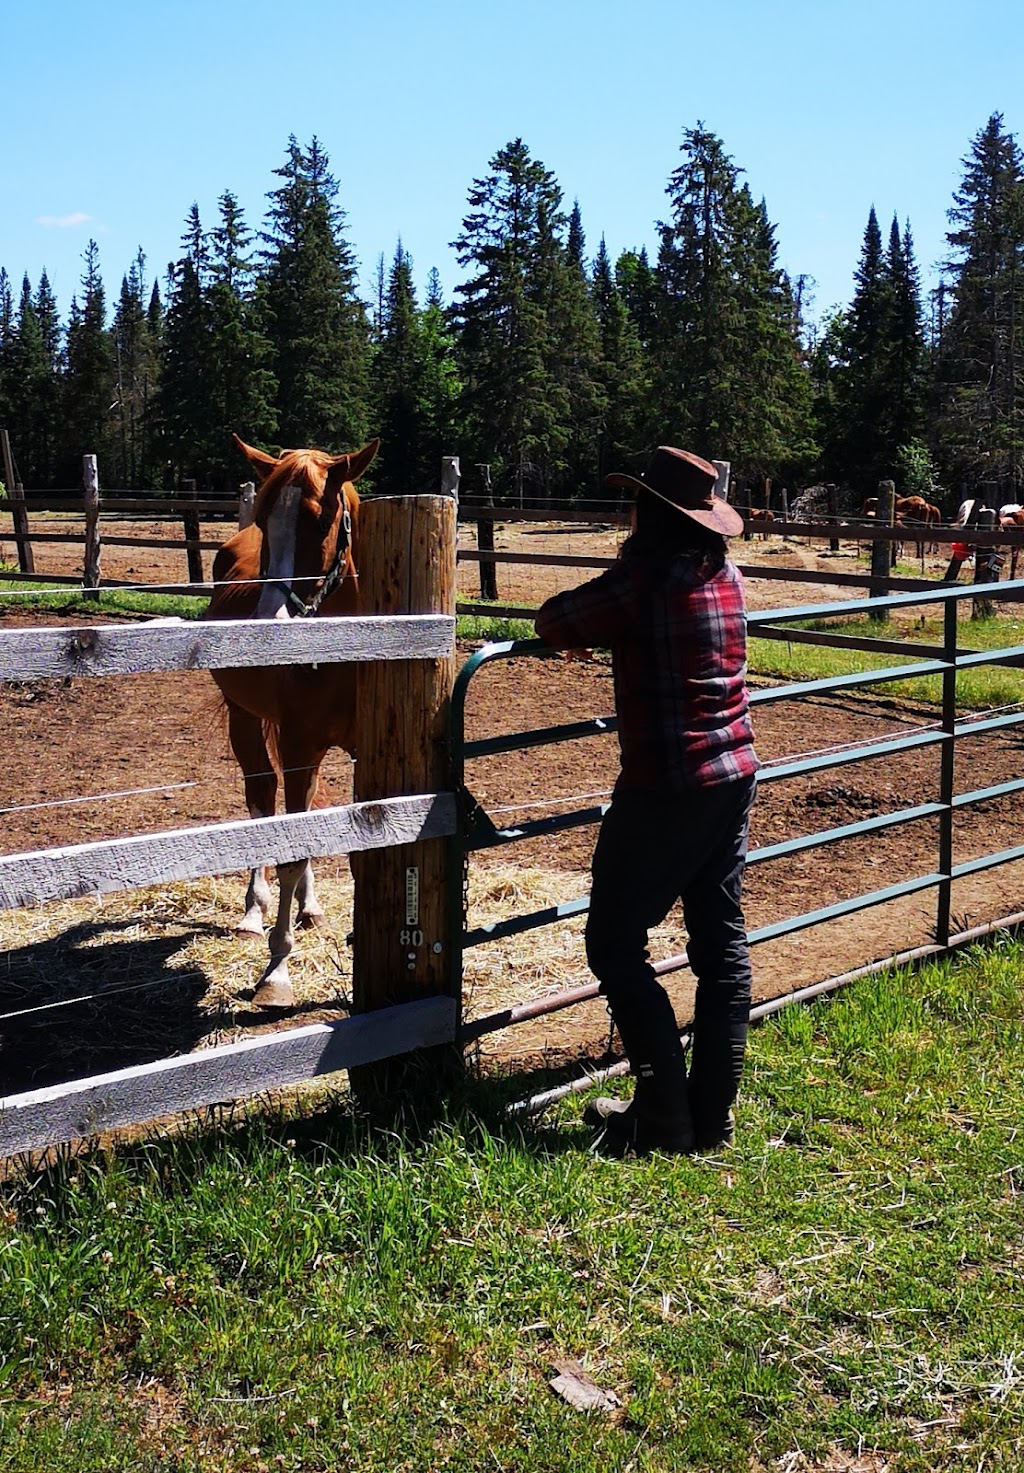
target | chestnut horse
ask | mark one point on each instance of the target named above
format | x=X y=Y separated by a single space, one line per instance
x=296 y=560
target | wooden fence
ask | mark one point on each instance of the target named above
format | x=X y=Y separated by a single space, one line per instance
x=98 y=511
x=982 y=541
x=400 y=642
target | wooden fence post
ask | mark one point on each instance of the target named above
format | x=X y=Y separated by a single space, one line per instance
x=19 y=511
x=485 y=541
x=246 y=504
x=190 y=521
x=881 y=551
x=784 y=497
x=402 y=927
x=723 y=469
x=91 y=501
x=832 y=497
x=986 y=565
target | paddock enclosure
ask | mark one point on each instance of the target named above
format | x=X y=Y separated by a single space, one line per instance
x=102 y=983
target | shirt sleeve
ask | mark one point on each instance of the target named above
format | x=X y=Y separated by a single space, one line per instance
x=600 y=612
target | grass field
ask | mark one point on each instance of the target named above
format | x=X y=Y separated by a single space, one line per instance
x=984 y=688
x=842 y=1291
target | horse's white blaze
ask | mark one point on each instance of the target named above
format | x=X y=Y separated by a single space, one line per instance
x=280 y=535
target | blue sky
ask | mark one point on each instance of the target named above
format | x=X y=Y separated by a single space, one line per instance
x=117 y=116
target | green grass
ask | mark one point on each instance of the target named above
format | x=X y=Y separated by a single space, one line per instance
x=69 y=600
x=977 y=689
x=321 y=1294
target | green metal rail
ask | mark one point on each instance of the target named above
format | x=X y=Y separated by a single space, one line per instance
x=480 y=832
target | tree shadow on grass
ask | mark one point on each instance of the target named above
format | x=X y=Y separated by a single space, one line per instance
x=92 y=1000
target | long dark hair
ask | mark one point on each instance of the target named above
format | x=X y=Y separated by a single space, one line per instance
x=663 y=532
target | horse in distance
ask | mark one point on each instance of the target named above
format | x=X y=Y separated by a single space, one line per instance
x=296 y=560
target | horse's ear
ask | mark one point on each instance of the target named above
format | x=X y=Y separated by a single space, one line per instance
x=261 y=463
x=360 y=460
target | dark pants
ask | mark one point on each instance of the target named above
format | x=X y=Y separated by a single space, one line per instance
x=655 y=849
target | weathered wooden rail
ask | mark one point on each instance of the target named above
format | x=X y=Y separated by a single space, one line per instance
x=394 y=821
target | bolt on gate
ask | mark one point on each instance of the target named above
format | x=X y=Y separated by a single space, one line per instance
x=944 y=660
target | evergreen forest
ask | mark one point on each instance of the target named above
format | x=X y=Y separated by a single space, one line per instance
x=551 y=363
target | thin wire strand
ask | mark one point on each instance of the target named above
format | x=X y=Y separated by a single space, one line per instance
x=550 y=802
x=69 y=1002
x=136 y=792
x=98 y=797
x=67 y=589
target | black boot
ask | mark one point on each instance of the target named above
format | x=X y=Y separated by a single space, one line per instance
x=658 y=1116
x=716 y=1065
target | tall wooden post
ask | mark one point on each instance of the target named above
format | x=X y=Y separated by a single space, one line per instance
x=402 y=927
x=723 y=472
x=485 y=541
x=19 y=511
x=190 y=520
x=832 y=498
x=91 y=502
x=881 y=551
x=246 y=504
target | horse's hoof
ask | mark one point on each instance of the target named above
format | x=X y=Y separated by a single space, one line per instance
x=310 y=920
x=274 y=995
x=251 y=923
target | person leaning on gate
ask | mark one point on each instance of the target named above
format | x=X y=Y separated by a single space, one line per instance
x=672 y=612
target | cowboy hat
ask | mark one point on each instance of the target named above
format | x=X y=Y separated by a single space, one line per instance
x=687 y=483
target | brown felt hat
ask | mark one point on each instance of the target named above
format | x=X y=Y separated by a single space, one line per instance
x=687 y=483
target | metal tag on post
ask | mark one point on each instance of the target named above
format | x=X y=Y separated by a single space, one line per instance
x=412 y=896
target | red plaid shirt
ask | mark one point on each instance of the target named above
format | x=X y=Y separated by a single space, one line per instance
x=677 y=632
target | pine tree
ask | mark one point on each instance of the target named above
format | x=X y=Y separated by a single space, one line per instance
x=136 y=359
x=637 y=282
x=400 y=386
x=242 y=384
x=29 y=378
x=622 y=371
x=903 y=418
x=514 y=406
x=188 y=420
x=316 y=322
x=89 y=379
x=773 y=427
x=979 y=430
x=27 y=392
x=731 y=382
x=861 y=391
x=442 y=388
x=575 y=337
x=6 y=344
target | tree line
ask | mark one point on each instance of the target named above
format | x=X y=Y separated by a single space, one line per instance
x=551 y=364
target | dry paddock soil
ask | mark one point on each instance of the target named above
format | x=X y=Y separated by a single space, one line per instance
x=140 y=975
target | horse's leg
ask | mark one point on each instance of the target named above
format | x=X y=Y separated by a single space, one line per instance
x=295 y=879
x=249 y=746
x=274 y=989
x=299 y=791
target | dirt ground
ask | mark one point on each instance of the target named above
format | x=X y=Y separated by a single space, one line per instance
x=160 y=970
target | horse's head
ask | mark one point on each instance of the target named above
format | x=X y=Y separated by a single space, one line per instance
x=306 y=509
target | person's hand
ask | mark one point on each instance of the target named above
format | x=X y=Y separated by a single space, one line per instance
x=577 y=654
